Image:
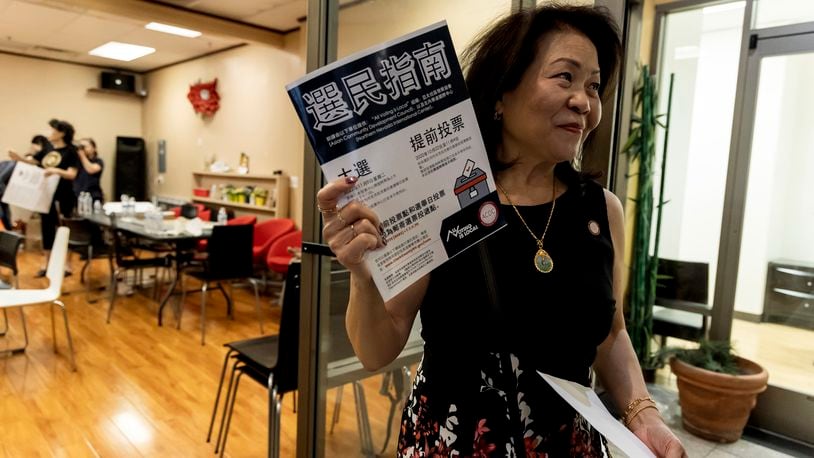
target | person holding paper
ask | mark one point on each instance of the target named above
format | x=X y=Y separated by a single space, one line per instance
x=90 y=173
x=38 y=143
x=544 y=293
x=57 y=158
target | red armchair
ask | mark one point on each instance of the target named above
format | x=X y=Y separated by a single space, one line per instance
x=278 y=256
x=265 y=233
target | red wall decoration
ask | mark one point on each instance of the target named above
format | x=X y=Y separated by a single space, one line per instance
x=204 y=97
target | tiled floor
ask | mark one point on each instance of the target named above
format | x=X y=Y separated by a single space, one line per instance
x=697 y=447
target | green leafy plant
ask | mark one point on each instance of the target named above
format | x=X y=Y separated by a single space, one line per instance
x=712 y=355
x=640 y=150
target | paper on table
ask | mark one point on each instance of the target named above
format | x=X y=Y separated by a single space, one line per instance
x=116 y=207
x=587 y=403
x=29 y=188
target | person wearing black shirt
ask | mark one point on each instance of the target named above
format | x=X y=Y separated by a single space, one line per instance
x=90 y=173
x=545 y=293
x=63 y=161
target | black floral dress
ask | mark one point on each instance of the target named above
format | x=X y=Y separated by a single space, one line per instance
x=477 y=392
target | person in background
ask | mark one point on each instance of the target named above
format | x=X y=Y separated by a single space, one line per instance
x=6 y=169
x=90 y=173
x=495 y=315
x=39 y=143
x=60 y=160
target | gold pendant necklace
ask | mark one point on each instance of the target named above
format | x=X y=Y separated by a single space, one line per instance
x=542 y=260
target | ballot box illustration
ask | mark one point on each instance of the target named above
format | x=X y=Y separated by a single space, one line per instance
x=471 y=186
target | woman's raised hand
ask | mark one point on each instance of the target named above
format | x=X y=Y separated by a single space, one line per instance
x=14 y=155
x=350 y=231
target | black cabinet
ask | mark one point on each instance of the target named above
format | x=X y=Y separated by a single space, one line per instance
x=790 y=294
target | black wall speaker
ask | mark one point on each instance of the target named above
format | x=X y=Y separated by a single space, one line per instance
x=117 y=81
x=131 y=168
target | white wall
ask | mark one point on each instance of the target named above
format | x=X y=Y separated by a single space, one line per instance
x=702 y=50
x=779 y=209
x=255 y=117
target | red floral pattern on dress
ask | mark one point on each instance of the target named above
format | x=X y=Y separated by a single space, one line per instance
x=426 y=434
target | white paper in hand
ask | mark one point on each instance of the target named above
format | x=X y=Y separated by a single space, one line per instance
x=30 y=189
x=587 y=403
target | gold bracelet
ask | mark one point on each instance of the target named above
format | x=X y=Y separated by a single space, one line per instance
x=632 y=405
x=638 y=411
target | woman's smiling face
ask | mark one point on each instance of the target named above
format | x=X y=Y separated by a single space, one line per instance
x=556 y=105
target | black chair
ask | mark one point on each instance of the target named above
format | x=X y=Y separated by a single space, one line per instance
x=228 y=257
x=270 y=361
x=86 y=239
x=126 y=258
x=681 y=309
x=189 y=211
x=9 y=247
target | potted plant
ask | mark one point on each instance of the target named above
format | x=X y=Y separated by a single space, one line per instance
x=260 y=195
x=640 y=149
x=716 y=389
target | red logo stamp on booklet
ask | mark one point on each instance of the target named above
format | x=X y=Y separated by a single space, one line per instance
x=487 y=213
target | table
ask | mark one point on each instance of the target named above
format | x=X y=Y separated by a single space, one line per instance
x=180 y=242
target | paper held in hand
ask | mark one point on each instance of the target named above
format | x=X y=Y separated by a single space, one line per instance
x=587 y=403
x=398 y=117
x=30 y=189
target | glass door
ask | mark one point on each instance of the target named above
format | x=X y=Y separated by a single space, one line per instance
x=773 y=321
x=346 y=410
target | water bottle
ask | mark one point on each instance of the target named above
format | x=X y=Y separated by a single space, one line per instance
x=82 y=203
x=97 y=207
x=222 y=217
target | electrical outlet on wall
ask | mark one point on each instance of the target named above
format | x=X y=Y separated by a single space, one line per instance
x=294 y=182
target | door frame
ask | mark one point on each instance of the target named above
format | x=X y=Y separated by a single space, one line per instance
x=771 y=415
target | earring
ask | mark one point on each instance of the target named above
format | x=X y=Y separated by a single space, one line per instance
x=498 y=116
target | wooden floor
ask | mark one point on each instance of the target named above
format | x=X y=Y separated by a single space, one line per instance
x=144 y=390
x=140 y=389
x=786 y=352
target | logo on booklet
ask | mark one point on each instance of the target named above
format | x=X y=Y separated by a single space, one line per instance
x=461 y=232
x=488 y=213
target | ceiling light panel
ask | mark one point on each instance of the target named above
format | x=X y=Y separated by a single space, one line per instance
x=171 y=29
x=121 y=51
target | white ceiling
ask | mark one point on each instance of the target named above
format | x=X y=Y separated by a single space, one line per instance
x=64 y=31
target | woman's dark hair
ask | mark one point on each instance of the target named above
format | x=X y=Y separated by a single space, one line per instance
x=65 y=127
x=43 y=142
x=496 y=61
x=89 y=140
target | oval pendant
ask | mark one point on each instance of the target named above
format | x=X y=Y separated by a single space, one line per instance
x=543 y=262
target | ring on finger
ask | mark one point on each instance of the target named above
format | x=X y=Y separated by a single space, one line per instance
x=327 y=211
x=341 y=219
x=353 y=233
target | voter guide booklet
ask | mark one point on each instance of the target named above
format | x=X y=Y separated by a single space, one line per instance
x=398 y=117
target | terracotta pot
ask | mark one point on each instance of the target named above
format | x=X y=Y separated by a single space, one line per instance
x=716 y=406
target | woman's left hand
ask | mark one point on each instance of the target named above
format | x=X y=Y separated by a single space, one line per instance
x=651 y=429
x=51 y=171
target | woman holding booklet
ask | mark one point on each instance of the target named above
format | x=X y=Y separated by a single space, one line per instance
x=544 y=293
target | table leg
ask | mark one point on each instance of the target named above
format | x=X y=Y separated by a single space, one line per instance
x=171 y=289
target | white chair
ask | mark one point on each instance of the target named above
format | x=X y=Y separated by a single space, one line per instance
x=50 y=295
